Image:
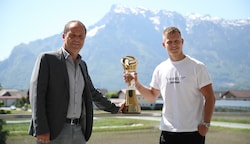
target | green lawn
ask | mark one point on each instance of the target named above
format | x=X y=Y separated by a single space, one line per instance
x=216 y=135
x=133 y=131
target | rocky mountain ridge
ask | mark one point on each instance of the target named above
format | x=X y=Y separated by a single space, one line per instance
x=223 y=45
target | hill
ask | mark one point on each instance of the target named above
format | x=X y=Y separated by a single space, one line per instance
x=223 y=45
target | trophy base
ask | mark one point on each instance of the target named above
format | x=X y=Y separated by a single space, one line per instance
x=131 y=109
x=131 y=104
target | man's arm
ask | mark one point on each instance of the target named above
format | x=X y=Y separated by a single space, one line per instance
x=151 y=94
x=100 y=101
x=207 y=92
x=37 y=99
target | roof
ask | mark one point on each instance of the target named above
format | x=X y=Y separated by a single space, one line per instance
x=237 y=93
x=124 y=91
x=11 y=94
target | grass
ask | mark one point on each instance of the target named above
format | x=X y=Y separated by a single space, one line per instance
x=112 y=123
x=232 y=117
x=233 y=120
x=149 y=136
x=100 y=124
x=111 y=130
x=122 y=124
x=20 y=112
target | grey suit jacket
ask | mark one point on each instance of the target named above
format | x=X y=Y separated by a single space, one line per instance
x=49 y=96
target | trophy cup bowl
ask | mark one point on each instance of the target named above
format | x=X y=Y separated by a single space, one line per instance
x=129 y=64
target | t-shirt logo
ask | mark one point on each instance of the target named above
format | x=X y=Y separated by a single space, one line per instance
x=175 y=80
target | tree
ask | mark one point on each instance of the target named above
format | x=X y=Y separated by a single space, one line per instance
x=3 y=134
x=112 y=94
x=21 y=102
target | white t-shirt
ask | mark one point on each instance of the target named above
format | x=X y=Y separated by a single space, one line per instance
x=179 y=83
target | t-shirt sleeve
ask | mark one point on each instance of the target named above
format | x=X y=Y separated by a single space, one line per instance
x=203 y=77
x=155 y=80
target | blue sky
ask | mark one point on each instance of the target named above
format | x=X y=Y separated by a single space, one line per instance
x=23 y=21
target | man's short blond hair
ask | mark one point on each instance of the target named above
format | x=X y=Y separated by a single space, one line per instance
x=170 y=30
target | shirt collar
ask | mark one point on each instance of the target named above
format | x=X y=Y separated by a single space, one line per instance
x=67 y=55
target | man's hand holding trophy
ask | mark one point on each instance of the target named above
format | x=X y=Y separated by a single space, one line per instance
x=129 y=64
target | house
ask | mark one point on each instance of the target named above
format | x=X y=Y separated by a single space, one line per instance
x=218 y=94
x=10 y=96
x=141 y=100
x=236 y=94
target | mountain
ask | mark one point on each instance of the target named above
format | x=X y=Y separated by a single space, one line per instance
x=223 y=45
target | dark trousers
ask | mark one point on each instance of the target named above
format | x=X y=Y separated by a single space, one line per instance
x=181 y=138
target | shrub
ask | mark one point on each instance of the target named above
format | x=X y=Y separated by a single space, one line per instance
x=3 y=134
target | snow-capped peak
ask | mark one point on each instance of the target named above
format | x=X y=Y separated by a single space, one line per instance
x=129 y=10
x=93 y=31
x=214 y=19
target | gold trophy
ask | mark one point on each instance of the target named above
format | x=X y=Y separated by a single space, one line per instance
x=131 y=105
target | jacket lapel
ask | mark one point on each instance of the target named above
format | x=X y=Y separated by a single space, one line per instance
x=88 y=106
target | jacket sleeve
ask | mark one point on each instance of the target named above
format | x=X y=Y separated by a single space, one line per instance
x=99 y=100
x=38 y=84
